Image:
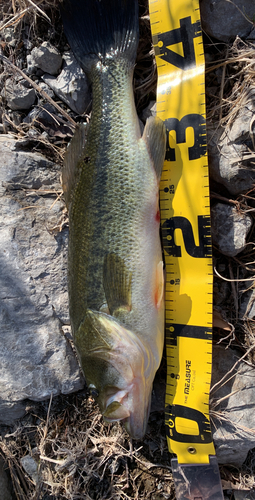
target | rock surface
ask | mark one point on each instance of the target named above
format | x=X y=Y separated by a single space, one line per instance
x=30 y=465
x=35 y=357
x=47 y=58
x=18 y=96
x=224 y=19
x=231 y=151
x=71 y=85
x=229 y=229
x=233 y=415
x=247 y=306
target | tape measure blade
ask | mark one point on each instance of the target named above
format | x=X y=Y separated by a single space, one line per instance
x=185 y=224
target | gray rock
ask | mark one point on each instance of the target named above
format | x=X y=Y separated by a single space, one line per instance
x=45 y=114
x=10 y=36
x=18 y=96
x=31 y=67
x=47 y=58
x=71 y=85
x=10 y=411
x=247 y=302
x=35 y=357
x=46 y=89
x=225 y=20
x=5 y=483
x=244 y=494
x=230 y=149
x=229 y=229
x=232 y=407
x=30 y=465
x=252 y=35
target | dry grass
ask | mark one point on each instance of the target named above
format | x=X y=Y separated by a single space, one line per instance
x=78 y=456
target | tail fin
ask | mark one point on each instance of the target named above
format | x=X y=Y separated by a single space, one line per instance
x=101 y=30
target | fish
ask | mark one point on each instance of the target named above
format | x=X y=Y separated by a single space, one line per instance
x=111 y=180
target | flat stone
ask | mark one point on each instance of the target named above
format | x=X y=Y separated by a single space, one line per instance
x=47 y=58
x=244 y=494
x=247 y=302
x=232 y=406
x=30 y=465
x=17 y=95
x=225 y=20
x=230 y=149
x=36 y=359
x=229 y=228
x=10 y=36
x=71 y=85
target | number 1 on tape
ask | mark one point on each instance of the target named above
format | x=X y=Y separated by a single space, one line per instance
x=185 y=224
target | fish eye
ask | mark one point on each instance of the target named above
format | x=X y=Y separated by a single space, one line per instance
x=93 y=391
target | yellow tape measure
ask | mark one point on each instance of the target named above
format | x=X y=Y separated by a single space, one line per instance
x=185 y=223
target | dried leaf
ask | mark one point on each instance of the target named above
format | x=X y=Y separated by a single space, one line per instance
x=219 y=322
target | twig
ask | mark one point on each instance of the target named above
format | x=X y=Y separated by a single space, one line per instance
x=234 y=289
x=40 y=10
x=233 y=367
x=227 y=279
x=223 y=198
x=38 y=89
x=47 y=419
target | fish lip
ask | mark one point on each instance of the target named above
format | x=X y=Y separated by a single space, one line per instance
x=136 y=431
x=136 y=424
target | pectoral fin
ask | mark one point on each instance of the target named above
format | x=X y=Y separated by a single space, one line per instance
x=91 y=337
x=154 y=135
x=73 y=154
x=117 y=284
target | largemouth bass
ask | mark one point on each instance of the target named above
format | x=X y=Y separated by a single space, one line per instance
x=111 y=186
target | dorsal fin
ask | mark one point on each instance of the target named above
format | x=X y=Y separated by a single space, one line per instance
x=73 y=154
x=117 y=283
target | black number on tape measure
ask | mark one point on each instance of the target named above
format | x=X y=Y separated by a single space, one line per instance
x=197 y=122
x=185 y=35
x=174 y=411
x=202 y=250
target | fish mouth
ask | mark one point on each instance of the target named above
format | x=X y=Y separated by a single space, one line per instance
x=131 y=407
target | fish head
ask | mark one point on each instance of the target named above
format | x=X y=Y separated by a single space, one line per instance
x=119 y=370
